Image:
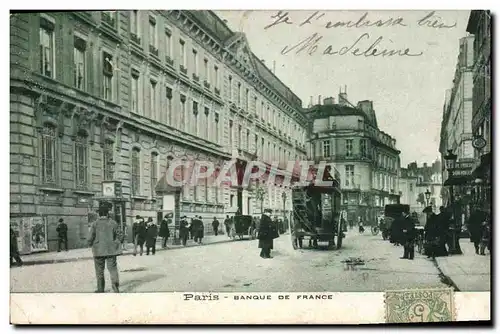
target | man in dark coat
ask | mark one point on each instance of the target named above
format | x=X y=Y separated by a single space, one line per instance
x=215 y=226
x=14 y=249
x=227 y=224
x=62 y=235
x=408 y=234
x=164 y=231
x=139 y=234
x=151 y=234
x=443 y=230
x=431 y=233
x=184 y=230
x=267 y=233
x=198 y=229
x=475 y=227
x=105 y=239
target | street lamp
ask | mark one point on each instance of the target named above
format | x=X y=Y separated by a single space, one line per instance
x=427 y=196
x=450 y=161
x=283 y=196
x=259 y=195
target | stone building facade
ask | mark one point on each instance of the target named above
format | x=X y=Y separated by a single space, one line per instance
x=480 y=25
x=102 y=96
x=365 y=156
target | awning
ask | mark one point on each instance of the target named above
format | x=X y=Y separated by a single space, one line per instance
x=483 y=166
x=456 y=181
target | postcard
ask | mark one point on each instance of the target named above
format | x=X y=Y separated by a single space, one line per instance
x=250 y=167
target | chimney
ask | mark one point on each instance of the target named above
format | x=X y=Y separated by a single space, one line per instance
x=425 y=164
x=329 y=101
x=274 y=67
x=343 y=97
x=319 y=99
x=311 y=102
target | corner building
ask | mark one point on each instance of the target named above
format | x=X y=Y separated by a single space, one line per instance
x=365 y=156
x=115 y=96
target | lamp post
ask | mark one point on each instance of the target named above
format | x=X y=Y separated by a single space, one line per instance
x=450 y=160
x=427 y=196
x=283 y=196
x=259 y=195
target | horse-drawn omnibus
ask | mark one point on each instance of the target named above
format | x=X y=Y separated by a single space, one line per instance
x=317 y=213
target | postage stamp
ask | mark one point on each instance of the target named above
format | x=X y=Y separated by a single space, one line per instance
x=419 y=305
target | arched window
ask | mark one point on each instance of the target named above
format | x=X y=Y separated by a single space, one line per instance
x=108 y=160
x=49 y=154
x=81 y=160
x=154 y=172
x=135 y=171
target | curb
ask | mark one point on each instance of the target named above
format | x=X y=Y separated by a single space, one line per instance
x=128 y=253
x=445 y=279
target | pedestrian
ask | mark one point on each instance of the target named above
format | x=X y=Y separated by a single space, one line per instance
x=125 y=235
x=164 y=231
x=486 y=237
x=267 y=233
x=215 y=226
x=184 y=230
x=408 y=235
x=443 y=230
x=431 y=233
x=151 y=234
x=62 y=235
x=227 y=224
x=14 y=249
x=191 y=228
x=105 y=239
x=139 y=234
x=361 y=228
x=475 y=227
x=199 y=230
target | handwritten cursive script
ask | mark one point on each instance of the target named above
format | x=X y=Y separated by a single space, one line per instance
x=430 y=20
x=311 y=44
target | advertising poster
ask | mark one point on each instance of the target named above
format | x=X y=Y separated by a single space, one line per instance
x=38 y=234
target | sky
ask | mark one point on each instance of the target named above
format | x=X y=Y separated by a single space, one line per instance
x=408 y=92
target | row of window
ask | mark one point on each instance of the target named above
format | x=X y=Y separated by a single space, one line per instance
x=240 y=96
x=50 y=161
x=160 y=105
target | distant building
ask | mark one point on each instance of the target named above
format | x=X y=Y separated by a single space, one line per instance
x=415 y=181
x=366 y=157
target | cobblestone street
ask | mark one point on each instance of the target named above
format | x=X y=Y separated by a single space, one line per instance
x=236 y=267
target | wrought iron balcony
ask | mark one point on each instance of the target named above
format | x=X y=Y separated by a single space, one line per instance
x=183 y=69
x=135 y=39
x=169 y=61
x=153 y=50
x=108 y=19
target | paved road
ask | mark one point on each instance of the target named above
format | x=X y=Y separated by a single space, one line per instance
x=236 y=267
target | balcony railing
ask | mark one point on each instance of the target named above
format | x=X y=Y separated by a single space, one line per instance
x=108 y=19
x=169 y=61
x=153 y=50
x=135 y=39
x=183 y=69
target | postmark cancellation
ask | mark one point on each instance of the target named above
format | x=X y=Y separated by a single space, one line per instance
x=419 y=305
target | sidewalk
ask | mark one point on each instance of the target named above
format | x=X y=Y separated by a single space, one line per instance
x=469 y=272
x=86 y=253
